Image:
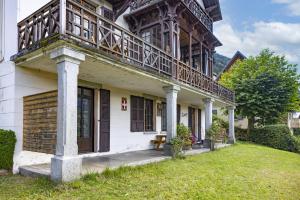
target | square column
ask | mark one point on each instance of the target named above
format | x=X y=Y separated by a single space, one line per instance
x=208 y=107
x=66 y=165
x=171 y=95
x=231 y=135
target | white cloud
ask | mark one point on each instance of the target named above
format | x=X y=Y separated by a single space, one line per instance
x=292 y=5
x=26 y=9
x=282 y=38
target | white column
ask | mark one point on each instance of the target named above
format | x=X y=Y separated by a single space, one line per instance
x=171 y=95
x=231 y=136
x=66 y=165
x=208 y=107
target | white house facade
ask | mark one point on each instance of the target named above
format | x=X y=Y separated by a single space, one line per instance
x=86 y=77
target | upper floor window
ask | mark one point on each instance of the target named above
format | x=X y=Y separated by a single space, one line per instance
x=205 y=61
x=1 y=29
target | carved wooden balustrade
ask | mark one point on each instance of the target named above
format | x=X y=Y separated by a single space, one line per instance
x=89 y=28
x=192 y=5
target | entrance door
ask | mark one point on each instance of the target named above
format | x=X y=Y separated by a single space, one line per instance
x=199 y=125
x=104 y=121
x=85 y=119
x=192 y=124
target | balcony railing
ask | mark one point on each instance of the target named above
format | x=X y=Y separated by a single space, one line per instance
x=89 y=28
x=192 y=5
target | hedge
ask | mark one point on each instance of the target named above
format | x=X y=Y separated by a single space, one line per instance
x=296 y=131
x=241 y=134
x=276 y=136
x=7 y=147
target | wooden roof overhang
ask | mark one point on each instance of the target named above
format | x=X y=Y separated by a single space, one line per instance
x=214 y=9
x=184 y=12
x=119 y=6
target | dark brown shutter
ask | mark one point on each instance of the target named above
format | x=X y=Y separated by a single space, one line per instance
x=104 y=120
x=178 y=113
x=148 y=115
x=199 y=125
x=164 y=117
x=137 y=114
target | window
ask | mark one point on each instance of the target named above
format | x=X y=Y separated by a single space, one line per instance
x=141 y=114
x=1 y=29
x=163 y=117
x=205 y=62
x=152 y=35
x=107 y=13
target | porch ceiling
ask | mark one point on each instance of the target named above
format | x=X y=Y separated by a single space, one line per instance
x=107 y=71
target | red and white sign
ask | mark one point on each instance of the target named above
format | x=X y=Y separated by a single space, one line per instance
x=124 y=104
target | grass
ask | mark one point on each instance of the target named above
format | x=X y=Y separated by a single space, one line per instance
x=243 y=171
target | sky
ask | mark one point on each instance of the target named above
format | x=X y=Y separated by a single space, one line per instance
x=252 y=25
x=248 y=26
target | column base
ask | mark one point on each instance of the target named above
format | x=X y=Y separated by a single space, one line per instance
x=231 y=141
x=168 y=150
x=207 y=143
x=65 y=169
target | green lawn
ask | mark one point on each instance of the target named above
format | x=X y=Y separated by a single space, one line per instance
x=243 y=171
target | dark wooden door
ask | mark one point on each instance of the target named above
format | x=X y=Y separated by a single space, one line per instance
x=104 y=121
x=85 y=119
x=191 y=116
x=199 y=125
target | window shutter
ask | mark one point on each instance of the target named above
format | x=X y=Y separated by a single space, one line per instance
x=178 y=113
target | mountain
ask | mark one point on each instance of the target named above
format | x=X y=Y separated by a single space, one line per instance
x=220 y=63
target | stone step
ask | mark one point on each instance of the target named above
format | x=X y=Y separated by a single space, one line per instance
x=35 y=171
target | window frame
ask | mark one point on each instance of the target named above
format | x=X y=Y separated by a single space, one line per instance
x=137 y=110
x=164 y=117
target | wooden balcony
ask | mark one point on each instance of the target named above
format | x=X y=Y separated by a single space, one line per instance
x=192 y=5
x=82 y=24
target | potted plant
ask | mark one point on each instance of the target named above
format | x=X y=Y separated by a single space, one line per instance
x=213 y=133
x=184 y=134
x=176 y=147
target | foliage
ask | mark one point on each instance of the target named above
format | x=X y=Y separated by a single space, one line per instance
x=181 y=141
x=296 y=131
x=214 y=133
x=276 y=136
x=177 y=145
x=265 y=86
x=242 y=171
x=241 y=134
x=7 y=147
x=184 y=133
x=224 y=124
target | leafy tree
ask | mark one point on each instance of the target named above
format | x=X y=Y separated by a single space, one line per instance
x=266 y=86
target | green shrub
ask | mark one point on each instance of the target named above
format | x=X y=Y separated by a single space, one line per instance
x=276 y=136
x=214 y=133
x=296 y=131
x=241 y=134
x=7 y=147
x=184 y=133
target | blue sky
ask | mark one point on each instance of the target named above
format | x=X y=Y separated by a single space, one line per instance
x=251 y=25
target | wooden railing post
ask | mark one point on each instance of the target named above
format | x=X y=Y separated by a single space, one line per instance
x=62 y=16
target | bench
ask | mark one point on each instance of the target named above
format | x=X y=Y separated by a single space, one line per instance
x=160 y=139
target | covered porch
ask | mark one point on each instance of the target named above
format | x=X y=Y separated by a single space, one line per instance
x=111 y=90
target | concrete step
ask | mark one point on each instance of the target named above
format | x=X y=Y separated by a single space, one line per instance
x=35 y=171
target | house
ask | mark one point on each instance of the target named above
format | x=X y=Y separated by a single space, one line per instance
x=238 y=56
x=95 y=77
x=239 y=121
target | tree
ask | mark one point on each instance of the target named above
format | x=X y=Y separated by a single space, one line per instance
x=266 y=86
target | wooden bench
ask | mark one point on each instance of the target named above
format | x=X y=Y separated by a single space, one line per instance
x=160 y=139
